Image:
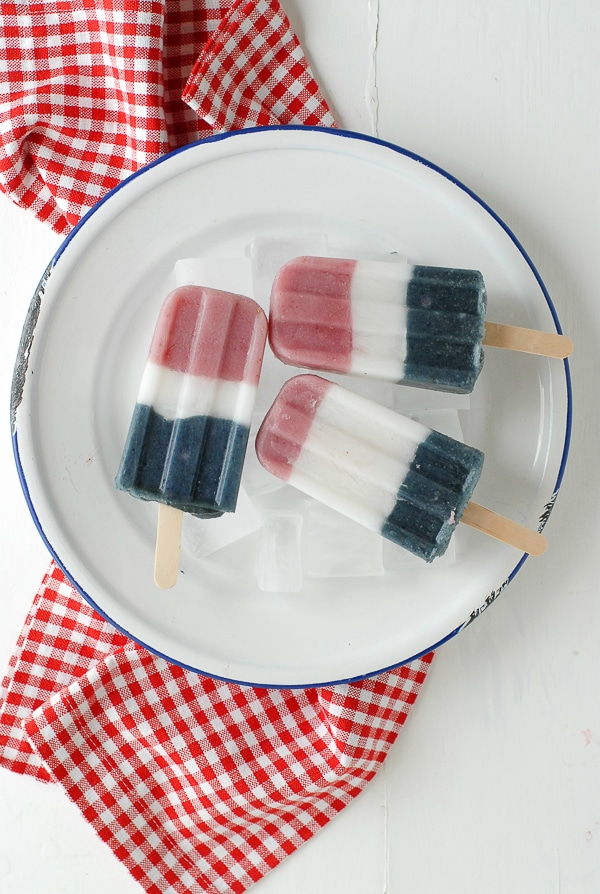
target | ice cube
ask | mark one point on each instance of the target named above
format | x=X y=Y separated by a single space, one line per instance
x=279 y=562
x=230 y=274
x=336 y=546
x=203 y=537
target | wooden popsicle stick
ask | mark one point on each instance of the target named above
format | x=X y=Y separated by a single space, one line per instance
x=504 y=529
x=528 y=341
x=166 y=557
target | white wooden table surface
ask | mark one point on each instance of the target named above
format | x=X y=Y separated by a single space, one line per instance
x=494 y=784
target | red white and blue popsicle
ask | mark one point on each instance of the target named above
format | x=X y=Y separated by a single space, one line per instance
x=388 y=472
x=190 y=426
x=392 y=320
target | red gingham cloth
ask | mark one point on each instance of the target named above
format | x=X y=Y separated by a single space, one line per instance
x=196 y=785
x=90 y=91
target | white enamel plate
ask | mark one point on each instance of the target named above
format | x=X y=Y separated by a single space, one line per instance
x=224 y=210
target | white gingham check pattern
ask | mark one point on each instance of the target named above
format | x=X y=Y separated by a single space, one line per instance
x=199 y=785
x=61 y=639
x=90 y=91
x=253 y=69
x=196 y=785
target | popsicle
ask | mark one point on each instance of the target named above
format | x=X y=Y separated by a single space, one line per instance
x=419 y=325
x=190 y=426
x=386 y=471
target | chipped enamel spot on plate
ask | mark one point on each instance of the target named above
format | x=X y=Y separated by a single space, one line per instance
x=22 y=361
